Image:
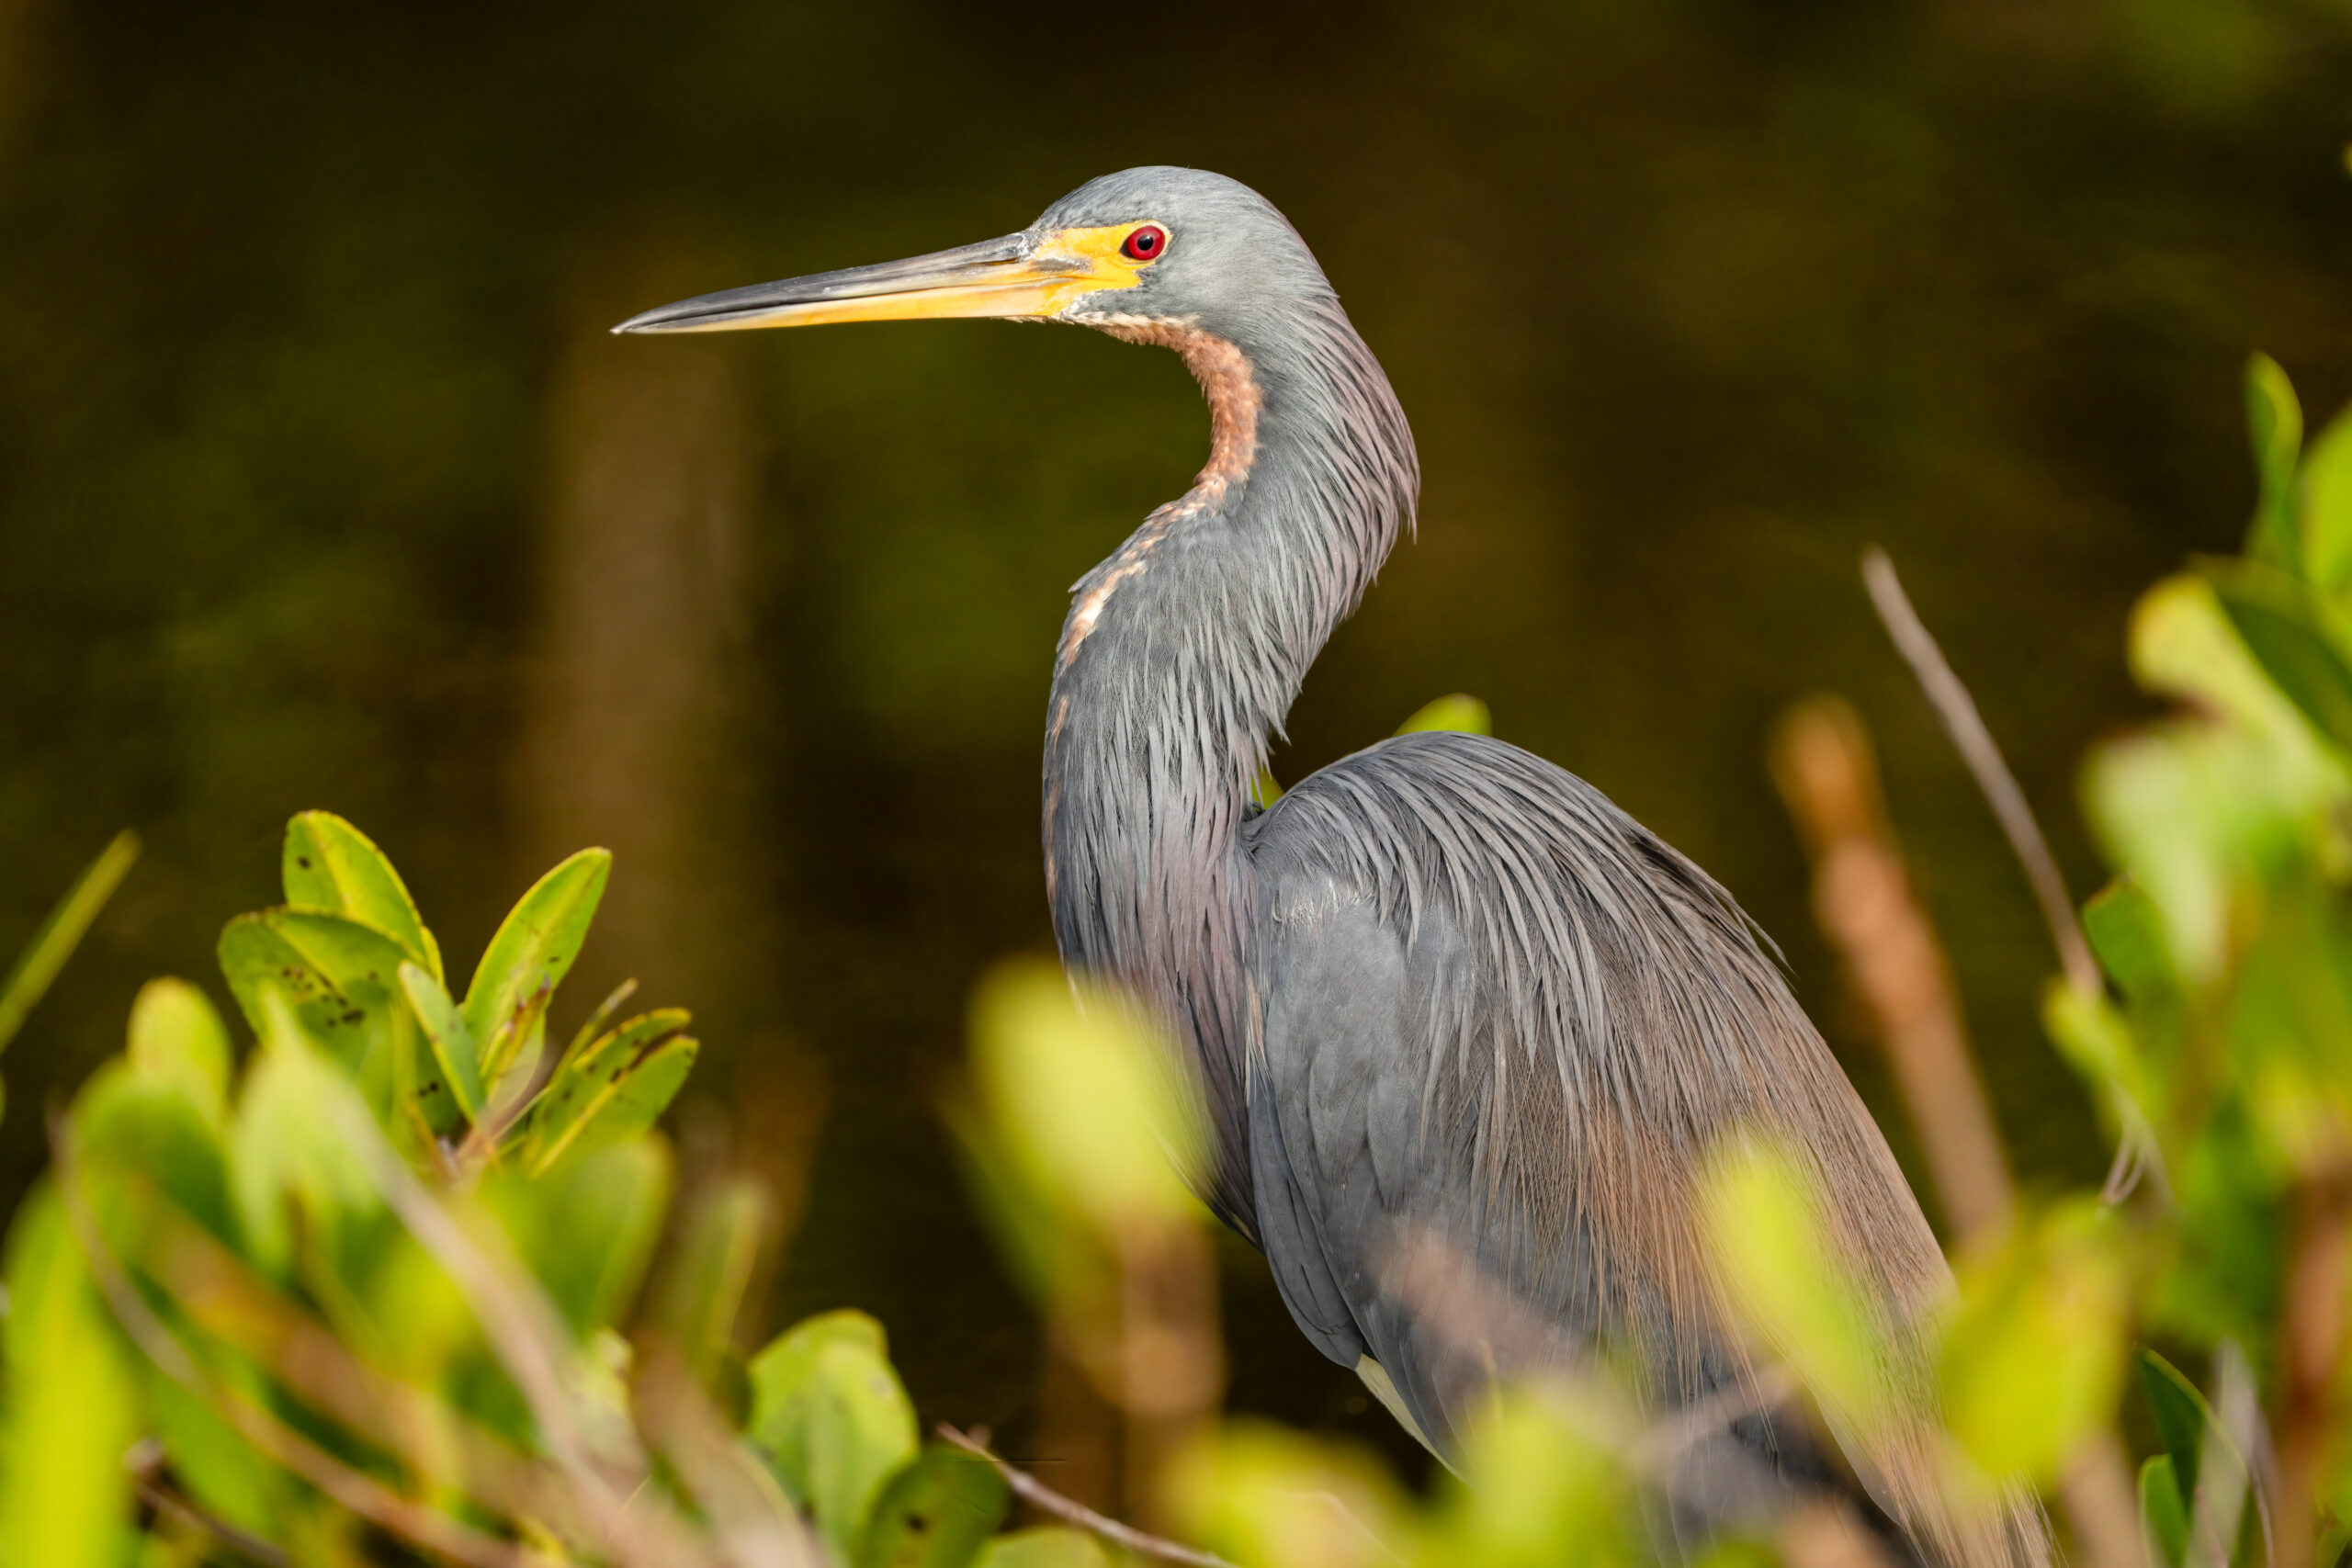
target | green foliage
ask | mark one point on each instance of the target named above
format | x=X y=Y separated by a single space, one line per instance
x=374 y=1285
x=61 y=932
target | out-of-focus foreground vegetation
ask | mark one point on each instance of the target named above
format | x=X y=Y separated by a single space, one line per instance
x=408 y=1278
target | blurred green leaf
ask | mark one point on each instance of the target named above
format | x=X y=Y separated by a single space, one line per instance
x=533 y=949
x=2327 y=514
x=610 y=1090
x=2276 y=422
x=454 y=1051
x=286 y=1145
x=829 y=1415
x=1459 y=712
x=1090 y=1107
x=2283 y=628
x=2126 y=930
x=330 y=864
x=2181 y=1414
x=2097 y=1043
x=710 y=1268
x=1266 y=1497
x=935 y=1512
x=65 y=1491
x=1763 y=1215
x=1538 y=1487
x=1049 y=1546
x=2164 y=1512
x=2032 y=1356
x=137 y=1137
x=222 y=1471
x=588 y=1231
x=38 y=965
x=176 y=1037
x=341 y=978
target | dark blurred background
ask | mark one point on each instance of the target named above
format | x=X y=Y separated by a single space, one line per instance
x=321 y=483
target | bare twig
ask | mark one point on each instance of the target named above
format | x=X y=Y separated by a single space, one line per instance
x=1045 y=1499
x=2311 y=1346
x=1977 y=749
x=1863 y=899
x=146 y=1462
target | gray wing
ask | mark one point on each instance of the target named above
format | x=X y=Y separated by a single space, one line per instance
x=1499 y=1024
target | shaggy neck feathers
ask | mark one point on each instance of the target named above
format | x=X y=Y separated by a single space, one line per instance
x=1179 y=660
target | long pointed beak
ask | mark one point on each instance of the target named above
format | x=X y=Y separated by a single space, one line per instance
x=1019 y=274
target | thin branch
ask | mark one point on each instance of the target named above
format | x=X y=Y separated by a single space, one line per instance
x=1863 y=897
x=146 y=1461
x=1045 y=1499
x=2311 y=1346
x=2135 y=1147
x=1978 y=750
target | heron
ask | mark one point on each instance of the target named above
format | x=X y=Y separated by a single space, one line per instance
x=1440 y=988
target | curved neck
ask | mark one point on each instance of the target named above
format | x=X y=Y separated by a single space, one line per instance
x=1182 y=654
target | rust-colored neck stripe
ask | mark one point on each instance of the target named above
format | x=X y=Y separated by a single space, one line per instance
x=1232 y=392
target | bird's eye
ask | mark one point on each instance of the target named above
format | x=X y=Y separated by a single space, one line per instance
x=1144 y=244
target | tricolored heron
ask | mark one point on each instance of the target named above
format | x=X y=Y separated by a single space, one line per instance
x=1441 y=987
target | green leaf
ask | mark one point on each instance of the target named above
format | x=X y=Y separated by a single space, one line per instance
x=937 y=1512
x=612 y=1090
x=710 y=1270
x=831 y=1420
x=341 y=977
x=2276 y=422
x=534 y=949
x=2327 y=514
x=2282 y=627
x=220 y=1469
x=330 y=864
x=2182 y=1417
x=1765 y=1228
x=61 y=932
x=287 y=1144
x=2127 y=932
x=64 y=1491
x=588 y=1231
x=136 y=1136
x=2164 y=1512
x=452 y=1047
x=2033 y=1354
x=176 y=1037
x=1461 y=713
x=1049 y=1545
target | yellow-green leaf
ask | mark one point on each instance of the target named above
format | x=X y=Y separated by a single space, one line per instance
x=535 y=946
x=175 y=1037
x=2275 y=420
x=1047 y=1546
x=1460 y=712
x=64 y=1491
x=453 y=1048
x=831 y=1420
x=936 y=1512
x=612 y=1089
x=330 y=864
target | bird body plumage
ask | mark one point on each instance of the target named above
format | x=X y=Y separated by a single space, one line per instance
x=1441 y=993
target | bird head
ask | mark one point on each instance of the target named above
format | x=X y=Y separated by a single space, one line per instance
x=1148 y=247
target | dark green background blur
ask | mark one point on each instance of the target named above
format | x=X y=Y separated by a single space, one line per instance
x=321 y=485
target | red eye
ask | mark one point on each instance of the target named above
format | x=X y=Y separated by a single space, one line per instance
x=1144 y=244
